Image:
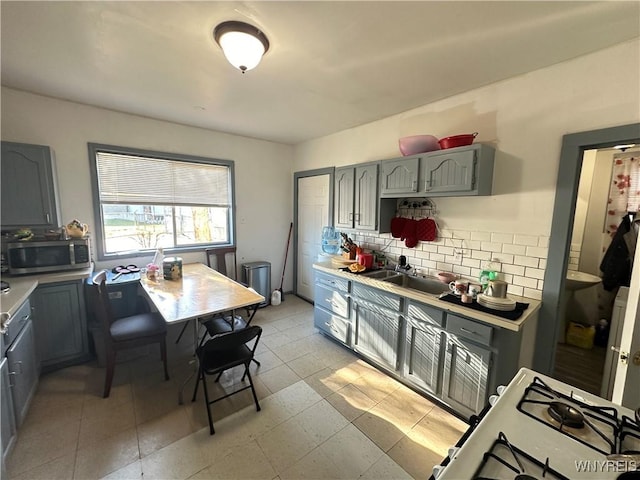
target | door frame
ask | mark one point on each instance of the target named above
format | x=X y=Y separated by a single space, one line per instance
x=297 y=176
x=550 y=323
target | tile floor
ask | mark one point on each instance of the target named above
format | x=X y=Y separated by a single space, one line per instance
x=325 y=414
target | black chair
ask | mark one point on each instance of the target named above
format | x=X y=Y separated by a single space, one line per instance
x=128 y=332
x=221 y=353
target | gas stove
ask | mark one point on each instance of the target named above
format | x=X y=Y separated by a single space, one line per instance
x=541 y=428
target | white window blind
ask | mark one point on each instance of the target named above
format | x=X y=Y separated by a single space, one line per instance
x=164 y=181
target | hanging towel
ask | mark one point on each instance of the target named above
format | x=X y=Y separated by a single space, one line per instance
x=426 y=230
x=397 y=226
x=409 y=228
x=616 y=263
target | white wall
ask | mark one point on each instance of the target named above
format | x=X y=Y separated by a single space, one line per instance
x=263 y=170
x=524 y=118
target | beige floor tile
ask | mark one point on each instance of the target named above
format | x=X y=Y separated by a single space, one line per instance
x=350 y=402
x=109 y=455
x=325 y=382
x=163 y=430
x=321 y=421
x=350 y=452
x=287 y=443
x=306 y=365
x=376 y=385
x=378 y=429
x=268 y=361
x=278 y=378
x=386 y=469
x=105 y=422
x=132 y=471
x=242 y=462
x=39 y=447
x=59 y=469
x=178 y=460
x=415 y=458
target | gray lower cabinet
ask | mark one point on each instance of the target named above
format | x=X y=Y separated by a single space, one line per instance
x=8 y=416
x=377 y=320
x=23 y=371
x=423 y=346
x=466 y=373
x=61 y=324
x=28 y=186
x=331 y=314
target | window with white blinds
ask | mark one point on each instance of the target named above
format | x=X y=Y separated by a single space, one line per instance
x=145 y=200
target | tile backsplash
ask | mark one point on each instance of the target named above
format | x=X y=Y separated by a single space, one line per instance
x=519 y=259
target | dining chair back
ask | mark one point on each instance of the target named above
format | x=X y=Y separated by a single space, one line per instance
x=221 y=258
x=221 y=353
x=127 y=332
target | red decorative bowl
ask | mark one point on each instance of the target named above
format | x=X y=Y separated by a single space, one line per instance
x=457 y=140
x=418 y=144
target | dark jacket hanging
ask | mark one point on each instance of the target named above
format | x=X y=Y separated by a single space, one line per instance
x=616 y=263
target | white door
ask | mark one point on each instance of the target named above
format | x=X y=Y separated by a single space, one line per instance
x=313 y=214
x=626 y=387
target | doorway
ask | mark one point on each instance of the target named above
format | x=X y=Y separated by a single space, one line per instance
x=313 y=209
x=552 y=313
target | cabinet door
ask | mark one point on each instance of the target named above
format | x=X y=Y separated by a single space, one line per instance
x=399 y=177
x=449 y=172
x=422 y=354
x=344 y=191
x=8 y=419
x=366 y=198
x=23 y=370
x=466 y=374
x=60 y=318
x=376 y=333
x=27 y=179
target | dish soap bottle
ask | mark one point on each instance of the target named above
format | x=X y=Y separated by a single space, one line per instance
x=158 y=258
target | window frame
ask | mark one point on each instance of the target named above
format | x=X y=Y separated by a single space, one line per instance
x=98 y=230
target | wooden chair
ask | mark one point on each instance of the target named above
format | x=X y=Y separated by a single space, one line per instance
x=128 y=332
x=221 y=353
x=217 y=259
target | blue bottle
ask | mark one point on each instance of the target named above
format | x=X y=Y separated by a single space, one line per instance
x=330 y=240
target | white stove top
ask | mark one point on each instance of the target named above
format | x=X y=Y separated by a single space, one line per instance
x=531 y=430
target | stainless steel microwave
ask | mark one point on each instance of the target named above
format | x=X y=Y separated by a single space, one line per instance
x=48 y=256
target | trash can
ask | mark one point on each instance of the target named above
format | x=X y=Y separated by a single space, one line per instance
x=258 y=276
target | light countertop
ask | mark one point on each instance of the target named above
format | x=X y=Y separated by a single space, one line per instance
x=23 y=285
x=431 y=299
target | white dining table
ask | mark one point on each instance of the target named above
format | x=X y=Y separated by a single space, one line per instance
x=200 y=293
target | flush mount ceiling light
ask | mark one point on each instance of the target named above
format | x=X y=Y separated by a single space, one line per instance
x=242 y=44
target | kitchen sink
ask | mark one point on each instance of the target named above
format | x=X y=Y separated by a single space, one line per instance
x=381 y=274
x=426 y=285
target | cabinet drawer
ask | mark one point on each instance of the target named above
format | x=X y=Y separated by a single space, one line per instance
x=426 y=313
x=332 y=282
x=376 y=296
x=17 y=321
x=332 y=325
x=332 y=300
x=475 y=331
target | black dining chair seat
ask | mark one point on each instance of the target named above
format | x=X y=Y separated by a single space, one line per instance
x=138 y=326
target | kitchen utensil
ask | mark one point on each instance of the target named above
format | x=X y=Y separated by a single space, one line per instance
x=457 y=140
x=496 y=289
x=284 y=265
x=366 y=260
x=446 y=277
x=418 y=144
x=458 y=287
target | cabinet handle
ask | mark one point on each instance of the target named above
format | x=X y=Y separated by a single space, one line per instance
x=47 y=217
x=469 y=331
x=16 y=364
x=25 y=318
x=330 y=325
x=427 y=184
x=414 y=185
x=351 y=217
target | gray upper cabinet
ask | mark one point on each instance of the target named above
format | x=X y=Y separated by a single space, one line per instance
x=399 y=177
x=461 y=171
x=356 y=197
x=28 y=186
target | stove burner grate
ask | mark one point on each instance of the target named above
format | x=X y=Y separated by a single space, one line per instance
x=504 y=460
x=598 y=428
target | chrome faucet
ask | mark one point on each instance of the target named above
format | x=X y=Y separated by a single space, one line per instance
x=402 y=266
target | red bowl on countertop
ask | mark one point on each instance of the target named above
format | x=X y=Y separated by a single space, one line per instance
x=457 y=140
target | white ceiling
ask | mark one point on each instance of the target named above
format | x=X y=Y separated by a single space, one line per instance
x=331 y=65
